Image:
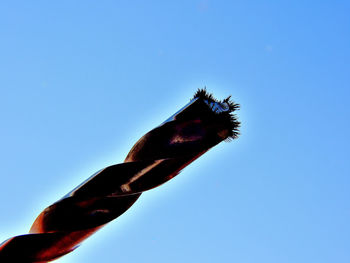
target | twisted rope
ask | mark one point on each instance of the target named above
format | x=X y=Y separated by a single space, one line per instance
x=156 y=158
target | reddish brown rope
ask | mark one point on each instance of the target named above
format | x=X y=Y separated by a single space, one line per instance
x=156 y=158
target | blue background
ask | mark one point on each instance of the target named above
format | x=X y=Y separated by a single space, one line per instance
x=81 y=81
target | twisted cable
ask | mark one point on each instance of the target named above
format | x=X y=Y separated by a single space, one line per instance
x=155 y=158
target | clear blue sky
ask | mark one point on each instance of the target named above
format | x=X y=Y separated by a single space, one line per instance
x=81 y=81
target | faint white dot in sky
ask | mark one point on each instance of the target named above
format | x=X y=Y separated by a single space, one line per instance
x=203 y=5
x=268 y=48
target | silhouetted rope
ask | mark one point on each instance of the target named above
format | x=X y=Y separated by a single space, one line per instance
x=156 y=158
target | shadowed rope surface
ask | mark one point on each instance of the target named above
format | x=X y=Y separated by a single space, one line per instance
x=155 y=158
